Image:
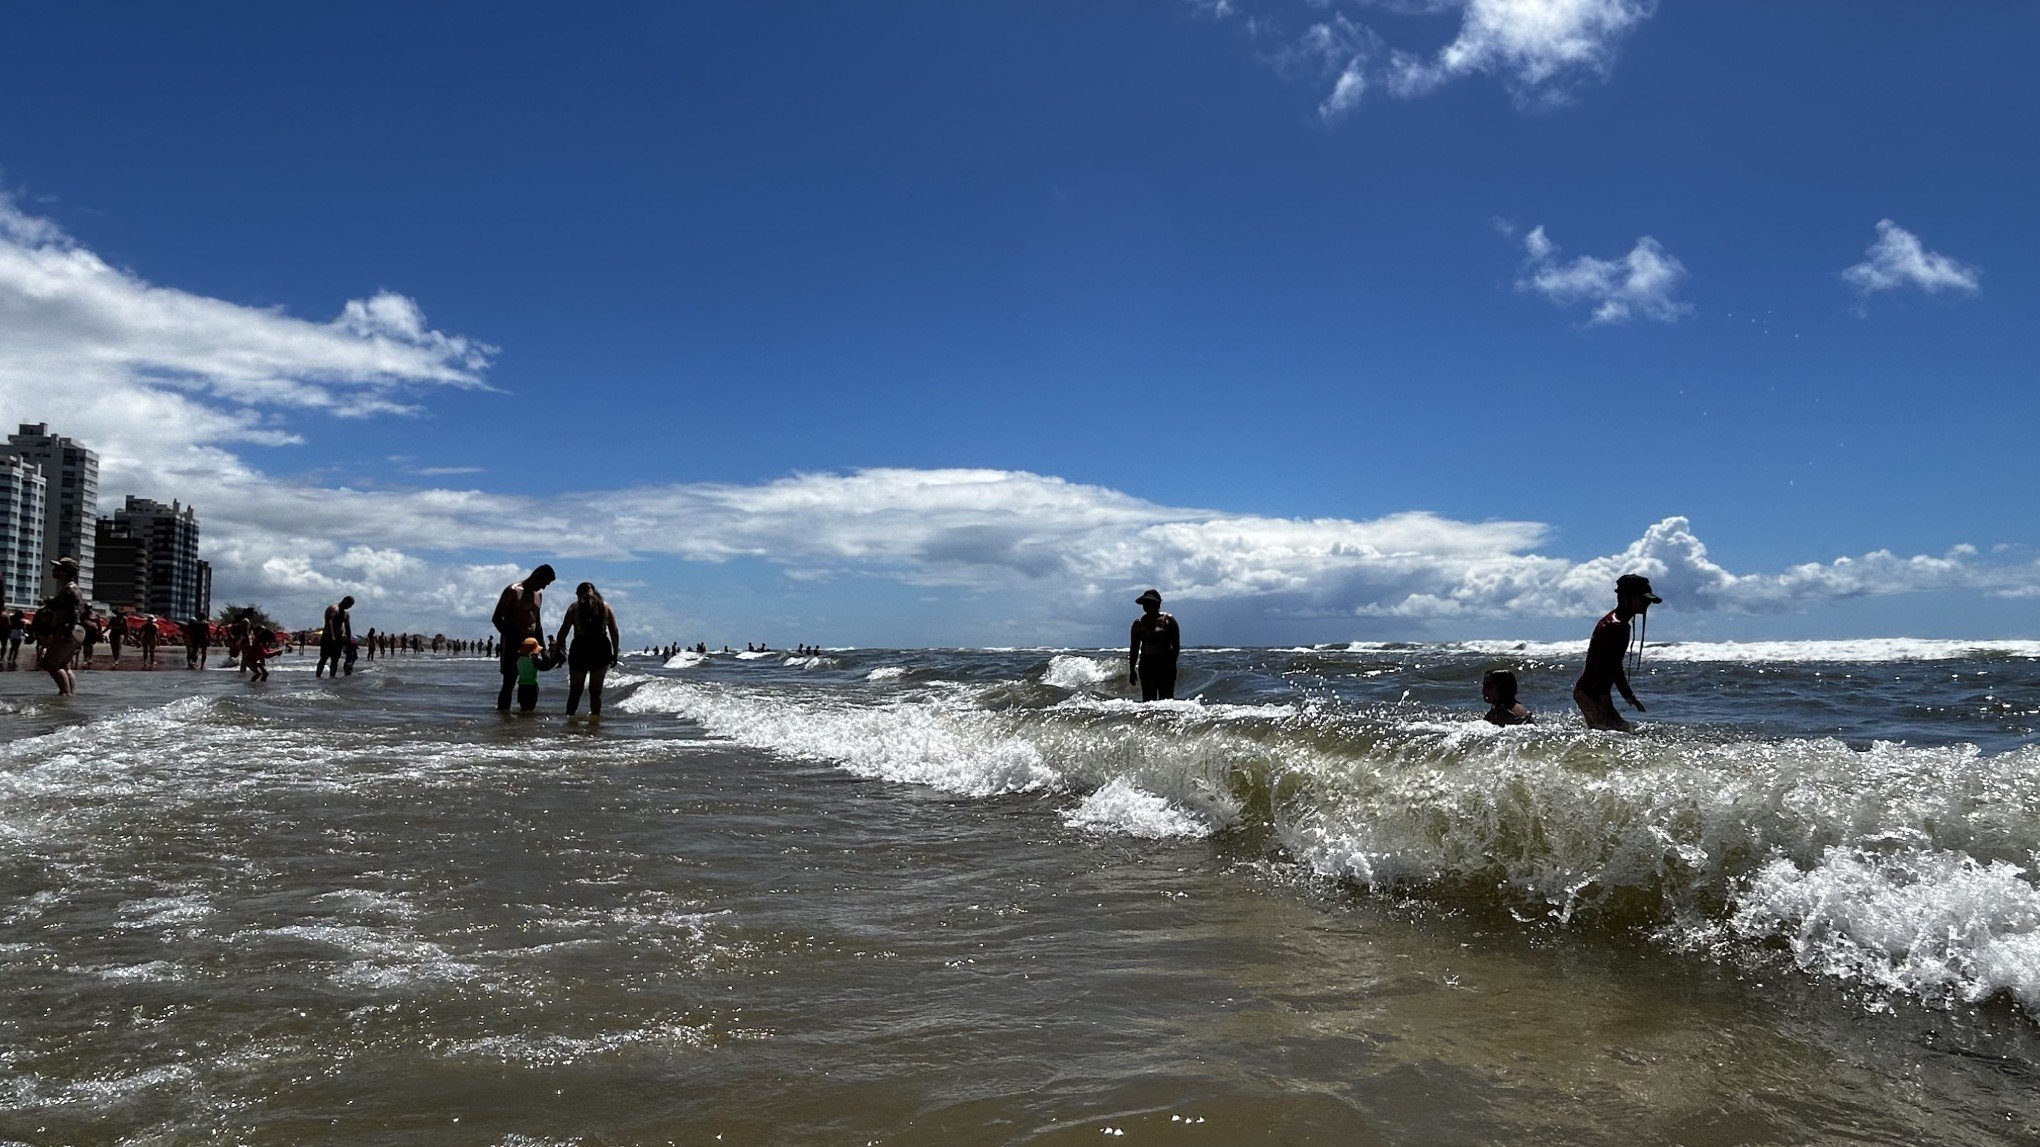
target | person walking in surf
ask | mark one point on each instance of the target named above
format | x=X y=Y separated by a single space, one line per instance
x=595 y=648
x=1151 y=651
x=518 y=617
x=1605 y=652
x=336 y=633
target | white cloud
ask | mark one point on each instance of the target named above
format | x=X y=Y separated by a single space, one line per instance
x=1638 y=285
x=1538 y=49
x=1897 y=259
x=434 y=559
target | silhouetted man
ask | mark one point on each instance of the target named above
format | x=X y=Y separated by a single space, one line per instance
x=518 y=617
x=1151 y=651
x=335 y=635
x=1605 y=651
x=197 y=643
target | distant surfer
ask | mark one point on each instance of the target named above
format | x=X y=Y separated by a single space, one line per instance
x=1605 y=652
x=1151 y=651
x=1498 y=689
x=517 y=617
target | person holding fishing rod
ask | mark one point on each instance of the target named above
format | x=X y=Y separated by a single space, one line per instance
x=1606 y=651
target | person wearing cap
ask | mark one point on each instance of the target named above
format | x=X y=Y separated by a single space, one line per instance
x=1151 y=652
x=1607 y=647
x=518 y=617
x=59 y=627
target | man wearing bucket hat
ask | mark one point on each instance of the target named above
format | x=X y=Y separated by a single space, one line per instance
x=1606 y=650
x=1151 y=654
x=59 y=627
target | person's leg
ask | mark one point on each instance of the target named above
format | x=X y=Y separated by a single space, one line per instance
x=577 y=680
x=527 y=697
x=507 y=662
x=595 y=676
x=1598 y=709
x=1150 y=681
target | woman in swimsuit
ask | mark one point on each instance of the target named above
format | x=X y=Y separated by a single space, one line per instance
x=594 y=649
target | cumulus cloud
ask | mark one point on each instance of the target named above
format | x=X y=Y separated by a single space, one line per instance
x=1536 y=47
x=1897 y=259
x=1641 y=284
x=158 y=383
x=1540 y=50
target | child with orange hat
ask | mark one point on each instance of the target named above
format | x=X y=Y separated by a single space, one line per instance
x=531 y=659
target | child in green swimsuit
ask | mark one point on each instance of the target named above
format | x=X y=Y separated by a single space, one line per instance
x=531 y=659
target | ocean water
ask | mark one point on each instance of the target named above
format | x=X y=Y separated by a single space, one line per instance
x=944 y=896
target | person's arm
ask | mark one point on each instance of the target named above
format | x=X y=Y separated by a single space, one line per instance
x=615 y=638
x=1133 y=655
x=1622 y=685
x=347 y=625
x=505 y=617
x=1175 y=638
x=568 y=621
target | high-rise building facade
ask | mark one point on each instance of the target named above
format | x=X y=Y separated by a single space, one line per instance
x=21 y=532
x=70 y=500
x=170 y=535
x=122 y=577
x=204 y=592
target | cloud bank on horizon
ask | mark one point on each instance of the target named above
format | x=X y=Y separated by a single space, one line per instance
x=164 y=384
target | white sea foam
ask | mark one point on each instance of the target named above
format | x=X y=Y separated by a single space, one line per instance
x=886 y=673
x=1900 y=867
x=1184 y=756
x=755 y=654
x=555 y=1050
x=686 y=659
x=953 y=748
x=1121 y=807
x=812 y=662
x=1858 y=650
x=1931 y=923
x=1191 y=708
x=1069 y=671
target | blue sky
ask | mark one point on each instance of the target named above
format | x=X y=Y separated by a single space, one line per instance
x=961 y=323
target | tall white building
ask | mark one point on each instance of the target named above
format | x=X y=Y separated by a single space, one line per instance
x=70 y=500
x=21 y=532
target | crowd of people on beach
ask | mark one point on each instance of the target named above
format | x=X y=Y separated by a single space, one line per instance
x=64 y=630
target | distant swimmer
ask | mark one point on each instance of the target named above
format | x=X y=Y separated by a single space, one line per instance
x=518 y=616
x=596 y=646
x=1151 y=651
x=1605 y=652
x=1498 y=689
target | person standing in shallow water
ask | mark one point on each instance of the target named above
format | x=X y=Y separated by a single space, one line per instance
x=518 y=616
x=1606 y=649
x=595 y=647
x=1151 y=651
x=59 y=625
x=336 y=633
